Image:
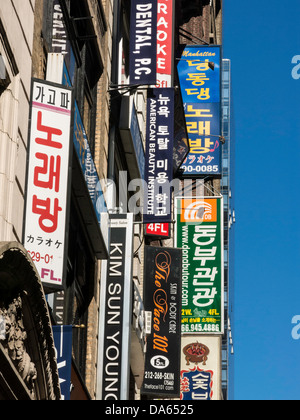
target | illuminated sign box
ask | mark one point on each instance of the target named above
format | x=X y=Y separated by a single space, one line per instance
x=47 y=180
x=199 y=233
x=199 y=70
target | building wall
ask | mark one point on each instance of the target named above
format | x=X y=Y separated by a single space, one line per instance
x=16 y=47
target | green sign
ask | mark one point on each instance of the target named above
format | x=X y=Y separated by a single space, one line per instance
x=199 y=232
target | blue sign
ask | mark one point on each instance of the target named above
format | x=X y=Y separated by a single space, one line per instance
x=143 y=42
x=63 y=345
x=85 y=158
x=200 y=81
x=159 y=156
x=88 y=166
x=137 y=141
x=196 y=385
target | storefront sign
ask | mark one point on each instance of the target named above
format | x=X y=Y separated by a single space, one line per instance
x=200 y=378
x=162 y=297
x=143 y=42
x=199 y=70
x=159 y=156
x=63 y=344
x=199 y=232
x=47 y=180
x=116 y=315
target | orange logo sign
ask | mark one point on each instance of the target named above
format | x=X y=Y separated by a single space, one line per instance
x=198 y=211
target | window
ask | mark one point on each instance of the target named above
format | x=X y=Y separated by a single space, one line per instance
x=80 y=288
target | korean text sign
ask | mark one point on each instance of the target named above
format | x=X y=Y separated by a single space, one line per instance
x=199 y=70
x=159 y=156
x=199 y=232
x=162 y=297
x=201 y=368
x=47 y=180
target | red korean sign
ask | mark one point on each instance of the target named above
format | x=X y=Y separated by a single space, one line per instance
x=47 y=180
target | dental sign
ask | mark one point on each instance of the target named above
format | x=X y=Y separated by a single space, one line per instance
x=143 y=42
x=47 y=180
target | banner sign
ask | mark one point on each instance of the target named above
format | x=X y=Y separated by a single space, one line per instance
x=159 y=156
x=115 y=325
x=165 y=28
x=199 y=232
x=199 y=70
x=61 y=43
x=200 y=378
x=143 y=42
x=88 y=167
x=47 y=180
x=162 y=297
x=63 y=345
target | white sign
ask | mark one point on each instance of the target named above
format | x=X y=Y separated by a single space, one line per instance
x=47 y=182
x=200 y=378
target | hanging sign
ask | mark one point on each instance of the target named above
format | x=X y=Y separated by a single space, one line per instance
x=162 y=297
x=143 y=42
x=116 y=301
x=199 y=70
x=200 y=378
x=199 y=233
x=63 y=346
x=159 y=156
x=47 y=180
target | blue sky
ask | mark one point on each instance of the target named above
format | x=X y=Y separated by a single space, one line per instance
x=261 y=38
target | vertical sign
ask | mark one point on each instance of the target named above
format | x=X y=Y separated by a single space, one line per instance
x=199 y=232
x=200 y=378
x=162 y=297
x=165 y=60
x=47 y=180
x=143 y=42
x=63 y=345
x=165 y=28
x=60 y=40
x=200 y=81
x=159 y=156
x=116 y=318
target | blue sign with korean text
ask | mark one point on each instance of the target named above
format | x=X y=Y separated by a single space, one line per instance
x=63 y=345
x=196 y=385
x=159 y=156
x=143 y=42
x=199 y=70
